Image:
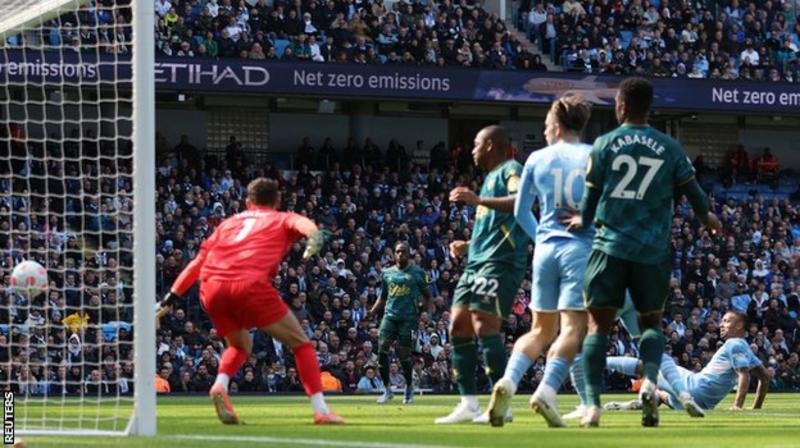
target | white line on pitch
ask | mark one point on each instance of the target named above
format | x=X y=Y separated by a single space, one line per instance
x=308 y=442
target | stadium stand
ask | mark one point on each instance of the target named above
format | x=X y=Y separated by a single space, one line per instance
x=369 y=206
x=754 y=266
x=436 y=34
x=684 y=40
x=718 y=40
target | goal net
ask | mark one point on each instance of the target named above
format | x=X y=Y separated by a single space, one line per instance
x=76 y=135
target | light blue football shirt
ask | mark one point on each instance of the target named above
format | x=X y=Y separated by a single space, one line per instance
x=555 y=175
x=718 y=377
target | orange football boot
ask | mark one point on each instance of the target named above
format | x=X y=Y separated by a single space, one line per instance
x=223 y=406
x=327 y=419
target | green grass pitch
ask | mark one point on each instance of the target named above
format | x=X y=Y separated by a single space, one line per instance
x=286 y=422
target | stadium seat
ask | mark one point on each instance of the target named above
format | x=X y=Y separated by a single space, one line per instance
x=280 y=46
x=626 y=37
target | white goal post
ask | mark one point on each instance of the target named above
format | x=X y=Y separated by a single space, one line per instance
x=77 y=185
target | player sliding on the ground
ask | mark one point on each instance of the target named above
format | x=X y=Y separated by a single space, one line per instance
x=235 y=266
x=401 y=286
x=496 y=258
x=632 y=176
x=730 y=366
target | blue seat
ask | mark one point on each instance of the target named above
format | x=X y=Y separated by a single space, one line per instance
x=110 y=329
x=280 y=46
x=627 y=36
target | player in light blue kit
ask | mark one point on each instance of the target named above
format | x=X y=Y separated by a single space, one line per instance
x=555 y=175
x=730 y=366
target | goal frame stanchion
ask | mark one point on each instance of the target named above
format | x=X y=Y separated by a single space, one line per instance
x=143 y=421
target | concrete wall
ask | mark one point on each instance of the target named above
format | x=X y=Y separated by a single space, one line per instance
x=172 y=123
x=785 y=144
x=288 y=129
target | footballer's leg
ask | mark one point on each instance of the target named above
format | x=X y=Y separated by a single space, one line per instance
x=404 y=344
x=649 y=287
x=216 y=297
x=289 y=332
x=544 y=305
x=561 y=354
x=527 y=348
x=594 y=359
x=388 y=334
x=675 y=377
x=487 y=328
x=579 y=384
x=490 y=307
x=651 y=344
x=572 y=257
x=239 y=346
x=464 y=359
x=626 y=365
x=604 y=293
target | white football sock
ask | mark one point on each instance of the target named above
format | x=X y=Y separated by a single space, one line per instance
x=223 y=380
x=471 y=401
x=318 y=403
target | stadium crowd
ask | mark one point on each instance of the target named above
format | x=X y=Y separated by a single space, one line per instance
x=431 y=33
x=718 y=40
x=729 y=40
x=754 y=266
x=369 y=199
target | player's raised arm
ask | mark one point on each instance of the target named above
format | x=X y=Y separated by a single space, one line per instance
x=504 y=204
x=523 y=205
x=764 y=378
x=306 y=227
x=189 y=275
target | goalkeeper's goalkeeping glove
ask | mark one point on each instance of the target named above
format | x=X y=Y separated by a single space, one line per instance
x=170 y=299
x=314 y=244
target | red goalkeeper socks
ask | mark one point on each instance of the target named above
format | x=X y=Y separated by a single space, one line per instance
x=308 y=368
x=232 y=360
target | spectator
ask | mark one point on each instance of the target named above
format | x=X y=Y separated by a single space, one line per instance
x=396 y=378
x=767 y=165
x=368 y=383
x=162 y=385
x=291 y=383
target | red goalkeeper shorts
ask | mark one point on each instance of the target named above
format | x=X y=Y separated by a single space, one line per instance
x=234 y=305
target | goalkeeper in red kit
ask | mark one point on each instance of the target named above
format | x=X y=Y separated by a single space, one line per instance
x=236 y=265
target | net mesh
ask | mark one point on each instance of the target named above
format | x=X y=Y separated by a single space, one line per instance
x=66 y=202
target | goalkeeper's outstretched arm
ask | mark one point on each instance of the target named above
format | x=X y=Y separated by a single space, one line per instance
x=189 y=275
x=307 y=228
